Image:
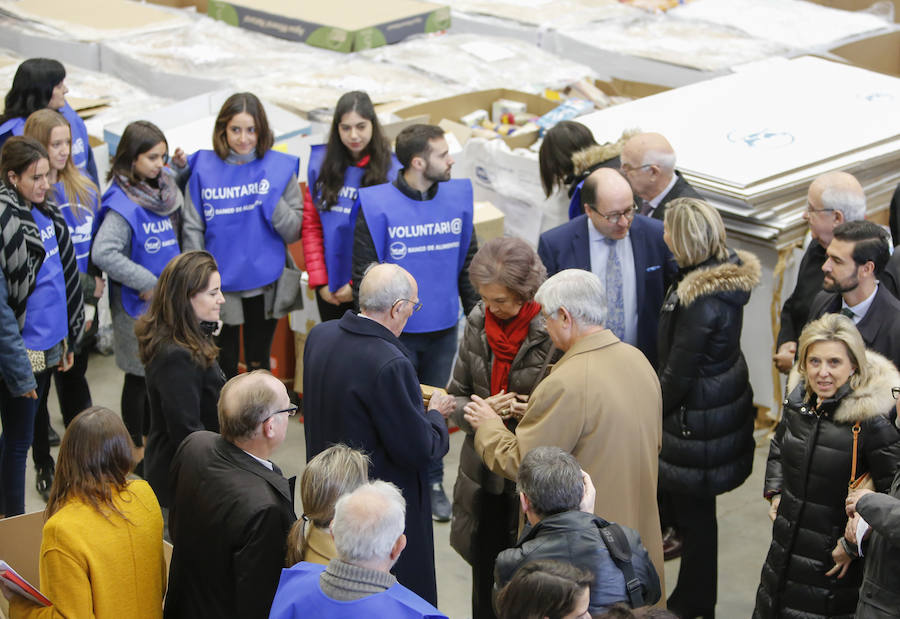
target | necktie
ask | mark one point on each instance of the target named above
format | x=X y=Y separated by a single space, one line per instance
x=615 y=304
x=846 y=311
x=646 y=207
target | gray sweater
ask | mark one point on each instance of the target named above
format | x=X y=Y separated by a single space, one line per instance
x=345 y=582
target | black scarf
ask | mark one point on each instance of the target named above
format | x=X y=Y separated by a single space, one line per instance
x=23 y=254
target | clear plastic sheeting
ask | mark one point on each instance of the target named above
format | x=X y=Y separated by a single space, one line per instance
x=479 y=63
x=687 y=42
x=547 y=13
x=792 y=23
x=296 y=76
x=123 y=101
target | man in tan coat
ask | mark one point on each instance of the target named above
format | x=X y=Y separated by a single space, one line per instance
x=601 y=402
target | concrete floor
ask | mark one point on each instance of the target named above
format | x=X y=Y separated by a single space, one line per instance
x=744 y=527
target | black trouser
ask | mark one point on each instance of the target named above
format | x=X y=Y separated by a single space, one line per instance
x=258 y=333
x=695 y=518
x=327 y=311
x=494 y=536
x=40 y=446
x=72 y=389
x=135 y=408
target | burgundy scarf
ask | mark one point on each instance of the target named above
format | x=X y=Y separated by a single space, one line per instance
x=505 y=339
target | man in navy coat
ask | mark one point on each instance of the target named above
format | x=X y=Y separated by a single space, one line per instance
x=360 y=389
x=624 y=249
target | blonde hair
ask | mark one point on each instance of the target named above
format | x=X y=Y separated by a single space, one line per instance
x=696 y=232
x=331 y=474
x=39 y=126
x=834 y=328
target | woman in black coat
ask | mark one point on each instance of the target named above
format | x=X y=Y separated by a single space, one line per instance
x=504 y=353
x=179 y=357
x=708 y=412
x=810 y=571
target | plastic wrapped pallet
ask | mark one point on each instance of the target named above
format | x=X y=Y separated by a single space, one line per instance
x=480 y=63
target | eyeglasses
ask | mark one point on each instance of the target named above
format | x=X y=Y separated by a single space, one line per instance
x=625 y=168
x=895 y=391
x=614 y=217
x=417 y=305
x=291 y=411
x=810 y=209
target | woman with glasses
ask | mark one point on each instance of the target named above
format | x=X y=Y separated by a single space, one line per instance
x=139 y=232
x=836 y=431
x=504 y=353
x=708 y=412
x=179 y=354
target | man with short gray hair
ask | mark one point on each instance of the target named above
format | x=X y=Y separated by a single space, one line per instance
x=833 y=198
x=558 y=500
x=368 y=535
x=648 y=164
x=601 y=402
x=360 y=389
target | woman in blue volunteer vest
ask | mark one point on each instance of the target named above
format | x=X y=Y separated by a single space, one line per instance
x=243 y=205
x=40 y=83
x=140 y=218
x=357 y=155
x=77 y=198
x=41 y=308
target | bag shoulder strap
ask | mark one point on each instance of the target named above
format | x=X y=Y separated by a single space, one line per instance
x=614 y=537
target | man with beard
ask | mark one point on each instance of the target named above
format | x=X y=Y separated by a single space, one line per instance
x=854 y=260
x=423 y=222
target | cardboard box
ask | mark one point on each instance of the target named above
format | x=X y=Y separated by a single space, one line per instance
x=616 y=87
x=189 y=123
x=339 y=25
x=30 y=44
x=879 y=53
x=452 y=108
x=857 y=5
x=488 y=222
x=183 y=4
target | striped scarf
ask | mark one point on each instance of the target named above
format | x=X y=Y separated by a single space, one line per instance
x=23 y=254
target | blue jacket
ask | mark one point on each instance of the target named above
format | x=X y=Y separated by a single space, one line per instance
x=567 y=247
x=15 y=368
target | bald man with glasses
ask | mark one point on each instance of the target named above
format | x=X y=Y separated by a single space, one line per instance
x=624 y=249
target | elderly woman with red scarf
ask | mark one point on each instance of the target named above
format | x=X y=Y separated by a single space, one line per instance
x=504 y=353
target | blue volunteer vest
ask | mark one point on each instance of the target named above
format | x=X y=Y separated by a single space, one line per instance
x=153 y=241
x=339 y=221
x=13 y=126
x=81 y=227
x=576 y=207
x=237 y=203
x=46 y=316
x=299 y=595
x=429 y=239
x=80 y=143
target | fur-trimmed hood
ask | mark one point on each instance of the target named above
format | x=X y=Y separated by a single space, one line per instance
x=866 y=401
x=586 y=158
x=724 y=277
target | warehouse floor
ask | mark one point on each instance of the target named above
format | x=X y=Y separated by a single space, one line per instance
x=744 y=528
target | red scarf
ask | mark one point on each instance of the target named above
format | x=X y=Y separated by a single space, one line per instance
x=505 y=338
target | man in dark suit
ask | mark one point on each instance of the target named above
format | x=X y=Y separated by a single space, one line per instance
x=231 y=507
x=359 y=388
x=832 y=199
x=645 y=264
x=648 y=162
x=856 y=257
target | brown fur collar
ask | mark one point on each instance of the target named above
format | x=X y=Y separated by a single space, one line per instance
x=867 y=401
x=724 y=277
x=584 y=159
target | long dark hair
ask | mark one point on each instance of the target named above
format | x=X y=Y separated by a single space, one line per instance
x=337 y=157
x=138 y=137
x=32 y=87
x=95 y=458
x=170 y=317
x=555 y=156
x=234 y=105
x=543 y=588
